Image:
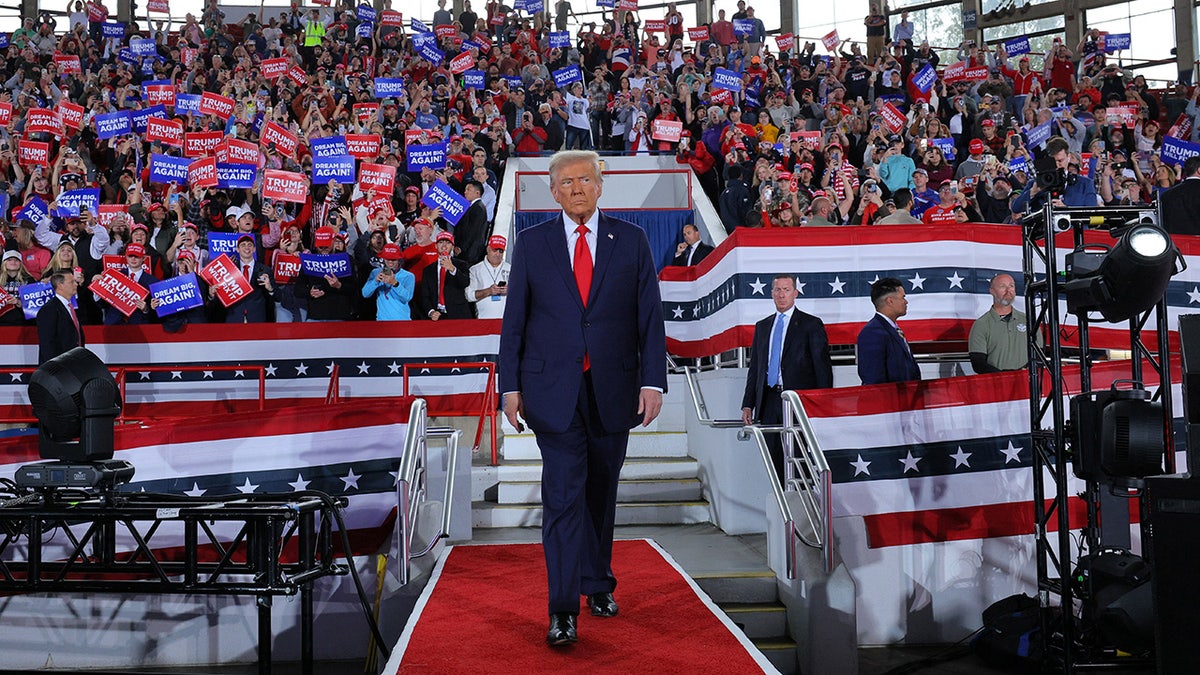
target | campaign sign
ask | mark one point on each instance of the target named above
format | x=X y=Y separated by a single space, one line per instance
x=743 y=26
x=514 y=81
x=71 y=115
x=720 y=97
x=443 y=196
x=1116 y=42
x=78 y=201
x=388 y=87
x=330 y=146
x=462 y=63
x=473 y=79
x=418 y=157
x=1175 y=151
x=187 y=103
x=110 y=211
x=201 y=143
x=113 y=29
x=431 y=54
x=6 y=111
x=112 y=262
x=831 y=40
x=378 y=177
x=363 y=30
x=285 y=267
x=235 y=151
x=285 y=142
x=126 y=55
x=666 y=130
x=445 y=31
x=1017 y=46
x=363 y=146
x=43 y=120
x=785 y=42
x=287 y=186
x=273 y=68
x=417 y=25
x=35 y=210
x=160 y=94
x=161 y=6
x=809 y=139
x=215 y=104
x=560 y=39
x=892 y=117
x=143 y=46
x=33 y=153
x=177 y=294
x=535 y=6
x=962 y=71
x=655 y=25
x=202 y=173
x=422 y=39
x=189 y=54
x=33 y=296
x=1018 y=164
x=1182 y=127
x=599 y=3
x=237 y=175
x=296 y=74
x=565 y=76
x=333 y=264
x=168 y=132
x=1122 y=114
x=1038 y=135
x=338 y=167
x=391 y=17
x=698 y=34
x=727 y=80
x=223 y=275
x=138 y=118
x=365 y=13
x=947 y=146
x=68 y=64
x=118 y=290
x=925 y=78
x=365 y=112
x=167 y=169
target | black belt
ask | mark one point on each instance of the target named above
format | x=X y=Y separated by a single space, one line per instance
x=777 y=388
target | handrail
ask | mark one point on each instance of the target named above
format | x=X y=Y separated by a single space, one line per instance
x=488 y=407
x=411 y=488
x=698 y=403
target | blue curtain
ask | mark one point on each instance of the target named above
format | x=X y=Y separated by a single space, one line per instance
x=663 y=228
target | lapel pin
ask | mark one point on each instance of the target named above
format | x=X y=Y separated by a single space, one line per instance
x=610 y=235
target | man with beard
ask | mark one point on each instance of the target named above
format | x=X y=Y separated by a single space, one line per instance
x=998 y=339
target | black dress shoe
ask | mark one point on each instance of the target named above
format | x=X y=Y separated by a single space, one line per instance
x=602 y=604
x=562 y=630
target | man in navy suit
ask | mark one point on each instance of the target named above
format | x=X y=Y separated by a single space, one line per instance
x=790 y=351
x=57 y=323
x=582 y=360
x=883 y=353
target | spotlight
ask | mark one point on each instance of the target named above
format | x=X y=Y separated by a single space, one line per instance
x=1115 y=586
x=1117 y=436
x=1130 y=279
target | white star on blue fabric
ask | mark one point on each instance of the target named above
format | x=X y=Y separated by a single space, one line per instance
x=955 y=281
x=800 y=287
x=176 y=374
x=246 y=488
x=757 y=287
x=917 y=282
x=836 y=285
x=16 y=377
x=363 y=368
x=351 y=480
x=677 y=313
x=270 y=370
x=1194 y=295
x=960 y=458
x=300 y=484
x=301 y=369
x=196 y=491
x=1011 y=453
x=860 y=466
x=910 y=463
x=393 y=368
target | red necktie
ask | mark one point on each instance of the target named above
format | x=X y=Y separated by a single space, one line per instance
x=246 y=271
x=441 y=287
x=75 y=320
x=583 y=274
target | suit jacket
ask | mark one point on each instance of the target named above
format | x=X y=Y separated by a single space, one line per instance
x=883 y=354
x=457 y=306
x=113 y=317
x=1181 y=208
x=547 y=329
x=702 y=251
x=470 y=235
x=253 y=307
x=803 y=364
x=56 y=331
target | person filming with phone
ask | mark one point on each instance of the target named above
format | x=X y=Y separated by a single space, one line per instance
x=488 y=287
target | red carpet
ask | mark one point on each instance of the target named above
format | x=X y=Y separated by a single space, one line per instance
x=485 y=612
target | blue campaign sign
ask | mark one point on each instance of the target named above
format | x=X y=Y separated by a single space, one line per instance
x=421 y=39
x=187 y=103
x=33 y=296
x=147 y=66
x=418 y=25
x=3 y=202
x=1175 y=151
x=727 y=80
x=743 y=26
x=317 y=265
x=1018 y=164
x=365 y=13
x=453 y=205
x=751 y=96
x=418 y=157
x=142 y=46
x=77 y=201
x=431 y=54
x=514 y=81
x=138 y=117
x=473 y=79
x=1116 y=41
x=167 y=169
x=364 y=29
x=924 y=78
x=36 y=210
x=223 y=242
x=177 y=294
x=330 y=146
x=113 y=29
x=236 y=176
x=113 y=124
x=339 y=168
x=1038 y=135
x=1017 y=46
x=126 y=55
x=560 y=39
x=387 y=87
x=535 y=6
x=4 y=40
x=565 y=76
x=947 y=146
x=471 y=44
x=152 y=83
x=519 y=5
x=606 y=3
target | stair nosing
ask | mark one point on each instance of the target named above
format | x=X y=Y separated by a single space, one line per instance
x=487 y=504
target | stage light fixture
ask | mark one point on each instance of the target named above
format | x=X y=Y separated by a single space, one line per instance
x=1130 y=278
x=1117 y=436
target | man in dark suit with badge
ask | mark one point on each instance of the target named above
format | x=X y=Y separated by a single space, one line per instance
x=58 y=325
x=883 y=353
x=583 y=361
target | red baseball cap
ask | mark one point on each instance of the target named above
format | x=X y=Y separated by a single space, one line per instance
x=323 y=237
x=497 y=241
x=185 y=255
x=135 y=251
x=976 y=146
x=445 y=236
x=390 y=252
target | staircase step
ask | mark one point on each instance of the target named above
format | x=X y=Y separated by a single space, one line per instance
x=657 y=468
x=781 y=652
x=487 y=514
x=758 y=620
x=641 y=444
x=646 y=490
x=739 y=587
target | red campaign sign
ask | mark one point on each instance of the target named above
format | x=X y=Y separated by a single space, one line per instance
x=6 y=302
x=285 y=141
x=378 y=177
x=698 y=34
x=273 y=68
x=189 y=55
x=113 y=262
x=296 y=74
x=110 y=211
x=422 y=136
x=363 y=146
x=5 y=113
x=120 y=291
x=462 y=63
x=381 y=202
x=96 y=13
x=390 y=17
x=215 y=104
x=43 y=120
x=365 y=111
x=483 y=40
x=721 y=96
x=497 y=20
x=810 y=139
x=285 y=186
x=369 y=65
x=234 y=151
x=1182 y=127
x=785 y=42
x=68 y=64
x=962 y=72
x=201 y=143
x=1121 y=114
x=1085 y=164
x=286 y=267
x=202 y=173
x=231 y=286
x=444 y=31
x=71 y=114
x=831 y=41
x=892 y=117
x=160 y=93
x=161 y=6
x=655 y=25
x=323 y=3
x=167 y=132
x=33 y=153
x=666 y=130
x=627 y=5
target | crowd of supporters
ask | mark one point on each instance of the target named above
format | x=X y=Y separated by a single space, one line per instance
x=800 y=136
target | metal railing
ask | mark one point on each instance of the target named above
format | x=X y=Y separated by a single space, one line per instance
x=412 y=489
x=487 y=407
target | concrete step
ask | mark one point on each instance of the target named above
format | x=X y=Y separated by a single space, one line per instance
x=490 y=515
x=641 y=444
x=638 y=468
x=758 y=620
x=781 y=652
x=647 y=490
x=754 y=586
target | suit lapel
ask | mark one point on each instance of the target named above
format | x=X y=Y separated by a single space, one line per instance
x=793 y=333
x=556 y=241
x=606 y=242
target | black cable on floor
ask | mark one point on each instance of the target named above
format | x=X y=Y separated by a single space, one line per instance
x=956 y=651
